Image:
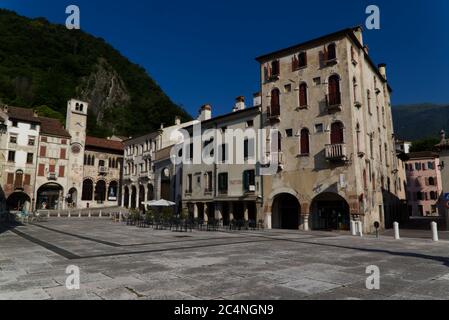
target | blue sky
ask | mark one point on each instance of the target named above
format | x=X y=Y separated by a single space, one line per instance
x=203 y=51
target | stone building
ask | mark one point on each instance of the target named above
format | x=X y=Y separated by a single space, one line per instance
x=102 y=172
x=425 y=185
x=336 y=155
x=20 y=134
x=148 y=170
x=52 y=165
x=227 y=188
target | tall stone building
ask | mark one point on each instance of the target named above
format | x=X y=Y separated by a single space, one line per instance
x=336 y=156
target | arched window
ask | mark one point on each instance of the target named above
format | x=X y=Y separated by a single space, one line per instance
x=305 y=144
x=357 y=129
x=303 y=95
x=331 y=52
x=334 y=96
x=302 y=57
x=368 y=96
x=88 y=188
x=365 y=180
x=354 y=88
x=275 y=102
x=100 y=191
x=337 y=133
x=85 y=160
x=92 y=163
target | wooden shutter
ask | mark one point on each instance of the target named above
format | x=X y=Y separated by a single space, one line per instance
x=61 y=171
x=27 y=181
x=52 y=168
x=41 y=171
x=18 y=183
x=43 y=151
x=303 y=95
x=337 y=133
x=305 y=141
x=63 y=154
x=10 y=178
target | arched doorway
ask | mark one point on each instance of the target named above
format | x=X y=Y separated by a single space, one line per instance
x=150 y=192
x=88 y=190
x=165 y=184
x=133 y=197
x=330 y=211
x=126 y=198
x=18 y=201
x=286 y=211
x=141 y=197
x=72 y=197
x=100 y=191
x=49 y=197
x=112 y=191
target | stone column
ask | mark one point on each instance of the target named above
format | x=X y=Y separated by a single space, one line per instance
x=268 y=223
x=195 y=211
x=206 y=212
x=231 y=211
x=305 y=222
x=218 y=211
x=245 y=211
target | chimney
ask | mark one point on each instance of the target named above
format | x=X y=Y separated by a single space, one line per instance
x=205 y=113
x=383 y=70
x=162 y=126
x=177 y=121
x=239 y=104
x=257 y=99
x=443 y=135
x=358 y=33
x=35 y=114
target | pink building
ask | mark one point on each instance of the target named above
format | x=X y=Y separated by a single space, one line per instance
x=424 y=184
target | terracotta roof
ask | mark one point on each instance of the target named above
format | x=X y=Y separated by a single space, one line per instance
x=53 y=127
x=23 y=114
x=104 y=144
x=423 y=155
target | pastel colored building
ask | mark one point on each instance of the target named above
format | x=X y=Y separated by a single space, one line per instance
x=424 y=184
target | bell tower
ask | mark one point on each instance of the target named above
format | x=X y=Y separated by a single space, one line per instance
x=76 y=124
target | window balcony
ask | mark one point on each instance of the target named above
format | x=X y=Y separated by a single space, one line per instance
x=103 y=170
x=52 y=176
x=274 y=112
x=336 y=152
x=333 y=102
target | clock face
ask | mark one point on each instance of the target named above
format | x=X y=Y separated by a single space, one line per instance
x=76 y=149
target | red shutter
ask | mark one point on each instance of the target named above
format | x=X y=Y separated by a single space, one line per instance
x=41 y=171
x=43 y=151
x=44 y=139
x=303 y=95
x=63 y=141
x=27 y=181
x=305 y=142
x=19 y=180
x=10 y=178
x=61 y=171
x=337 y=133
x=63 y=154
x=52 y=168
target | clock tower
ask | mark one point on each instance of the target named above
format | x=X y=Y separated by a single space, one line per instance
x=76 y=124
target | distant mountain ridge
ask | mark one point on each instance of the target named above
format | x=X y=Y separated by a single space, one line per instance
x=420 y=121
x=42 y=65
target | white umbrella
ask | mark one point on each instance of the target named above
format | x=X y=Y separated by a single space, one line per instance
x=159 y=203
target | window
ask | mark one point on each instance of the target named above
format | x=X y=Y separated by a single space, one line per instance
x=250 y=123
x=33 y=126
x=303 y=95
x=223 y=182
x=302 y=59
x=275 y=103
x=209 y=182
x=288 y=88
x=357 y=129
x=11 y=156
x=63 y=154
x=41 y=170
x=64 y=141
x=368 y=96
x=331 y=53
x=248 y=149
x=30 y=158
x=317 y=81
x=419 y=196
x=61 y=171
x=305 y=148
x=43 y=152
x=88 y=188
x=433 y=195
x=15 y=124
x=189 y=183
x=13 y=139
x=334 y=96
x=418 y=166
x=431 y=181
x=289 y=133
x=31 y=141
x=319 y=128
x=223 y=152
x=249 y=180
x=337 y=133
x=431 y=166
x=18 y=183
x=275 y=68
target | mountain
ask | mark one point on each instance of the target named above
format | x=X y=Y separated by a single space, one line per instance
x=420 y=121
x=42 y=65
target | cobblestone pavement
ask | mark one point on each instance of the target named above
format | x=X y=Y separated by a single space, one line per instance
x=124 y=262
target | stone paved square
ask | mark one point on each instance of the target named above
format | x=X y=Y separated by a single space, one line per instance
x=124 y=262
